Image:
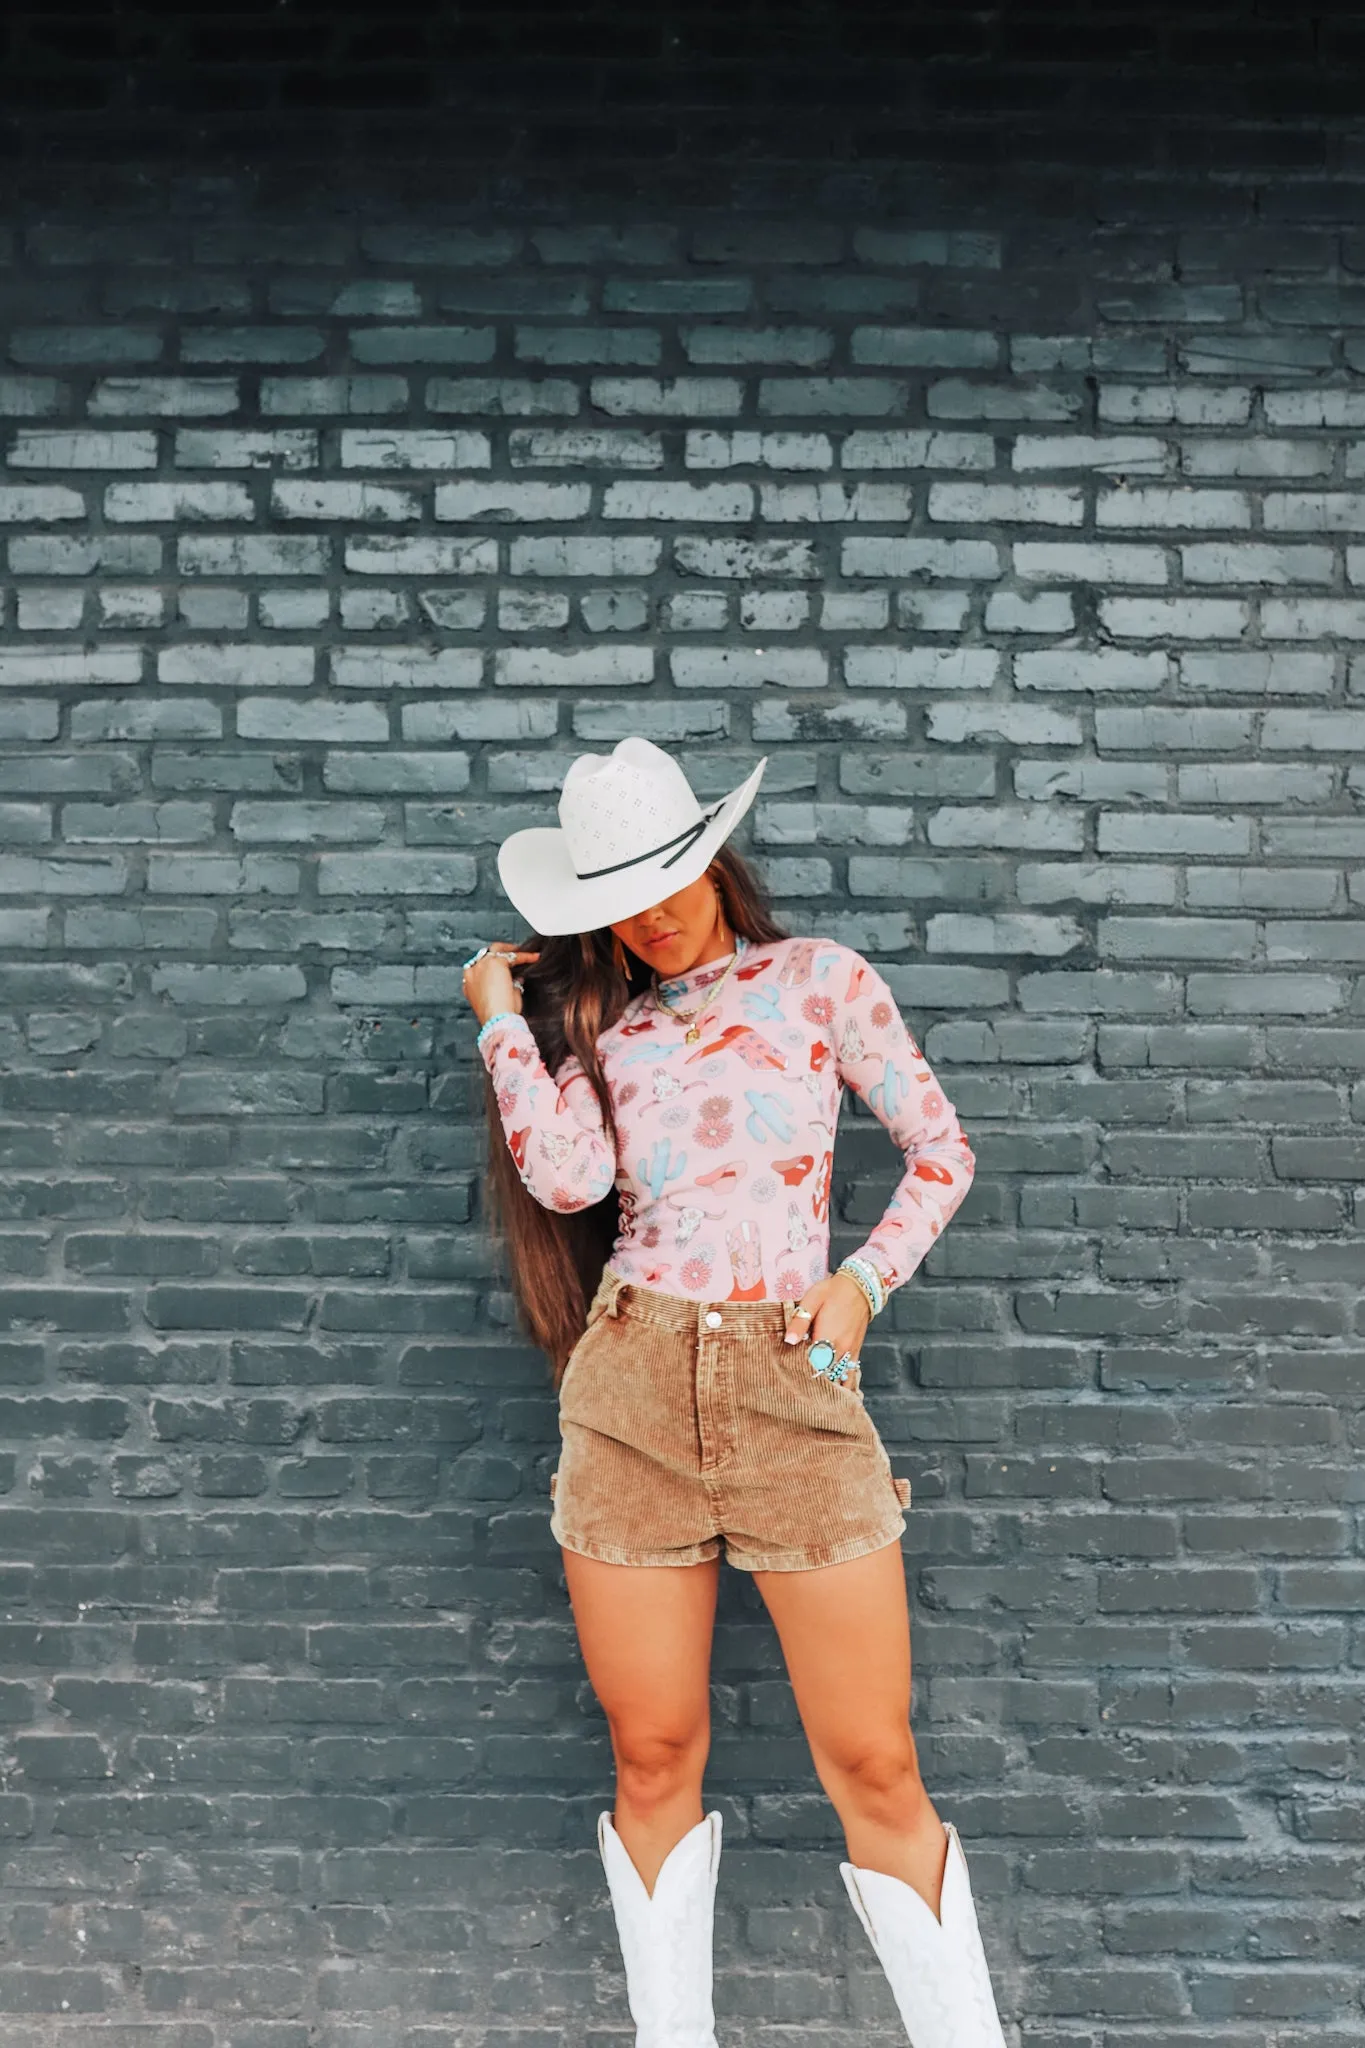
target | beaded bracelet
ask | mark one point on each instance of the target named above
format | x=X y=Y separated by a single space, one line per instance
x=874 y=1274
x=864 y=1270
x=862 y=1286
x=865 y=1275
x=489 y=1022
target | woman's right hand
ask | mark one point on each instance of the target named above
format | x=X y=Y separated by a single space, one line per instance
x=488 y=984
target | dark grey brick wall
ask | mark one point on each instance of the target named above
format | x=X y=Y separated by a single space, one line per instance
x=1019 y=519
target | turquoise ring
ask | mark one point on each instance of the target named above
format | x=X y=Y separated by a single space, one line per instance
x=824 y=1362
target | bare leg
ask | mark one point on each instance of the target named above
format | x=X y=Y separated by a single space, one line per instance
x=645 y=1632
x=845 y=1635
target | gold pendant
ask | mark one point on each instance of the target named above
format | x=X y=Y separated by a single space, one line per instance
x=693 y=1033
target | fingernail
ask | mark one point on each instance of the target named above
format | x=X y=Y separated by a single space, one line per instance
x=792 y=1337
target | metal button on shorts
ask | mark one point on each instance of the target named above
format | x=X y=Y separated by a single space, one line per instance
x=689 y=1426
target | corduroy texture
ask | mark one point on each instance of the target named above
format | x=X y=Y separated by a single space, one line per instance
x=679 y=1438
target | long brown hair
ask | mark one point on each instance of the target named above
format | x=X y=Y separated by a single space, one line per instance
x=578 y=988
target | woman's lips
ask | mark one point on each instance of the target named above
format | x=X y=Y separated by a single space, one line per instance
x=662 y=939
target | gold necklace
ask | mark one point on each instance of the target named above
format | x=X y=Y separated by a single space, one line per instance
x=693 y=1032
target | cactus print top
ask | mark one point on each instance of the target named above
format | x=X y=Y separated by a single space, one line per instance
x=727 y=1145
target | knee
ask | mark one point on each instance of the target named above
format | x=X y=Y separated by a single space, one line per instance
x=881 y=1780
x=654 y=1765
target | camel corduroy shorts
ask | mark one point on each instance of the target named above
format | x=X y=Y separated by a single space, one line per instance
x=686 y=1423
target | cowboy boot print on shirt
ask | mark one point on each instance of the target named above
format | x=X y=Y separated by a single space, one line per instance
x=795 y=969
x=749 y=1045
x=745 y=1246
x=819 y=1202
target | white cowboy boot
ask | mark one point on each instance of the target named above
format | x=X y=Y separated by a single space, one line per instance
x=665 y=1935
x=936 y=1967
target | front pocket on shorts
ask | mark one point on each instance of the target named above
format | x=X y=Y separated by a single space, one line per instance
x=787 y=1386
x=849 y=1389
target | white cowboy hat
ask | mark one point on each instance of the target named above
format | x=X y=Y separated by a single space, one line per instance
x=630 y=833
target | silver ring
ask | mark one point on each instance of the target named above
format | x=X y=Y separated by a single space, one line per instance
x=802 y=1312
x=496 y=951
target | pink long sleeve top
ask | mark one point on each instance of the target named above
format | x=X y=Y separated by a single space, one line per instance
x=727 y=1145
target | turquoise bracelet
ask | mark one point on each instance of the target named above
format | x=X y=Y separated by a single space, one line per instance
x=862 y=1284
x=866 y=1278
x=489 y=1022
x=865 y=1275
x=879 y=1286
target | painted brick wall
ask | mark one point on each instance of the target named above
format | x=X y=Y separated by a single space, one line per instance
x=1029 y=548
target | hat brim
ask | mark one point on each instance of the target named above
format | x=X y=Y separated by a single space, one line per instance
x=538 y=876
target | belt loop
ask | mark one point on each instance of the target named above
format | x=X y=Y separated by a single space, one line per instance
x=614 y=1282
x=605 y=1298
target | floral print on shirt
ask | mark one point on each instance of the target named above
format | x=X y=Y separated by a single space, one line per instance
x=727 y=1145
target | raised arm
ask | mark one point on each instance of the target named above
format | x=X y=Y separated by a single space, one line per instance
x=877 y=1057
x=553 y=1122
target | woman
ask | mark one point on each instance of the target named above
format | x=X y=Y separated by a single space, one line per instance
x=663 y=1081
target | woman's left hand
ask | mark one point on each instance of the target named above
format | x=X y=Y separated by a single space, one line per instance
x=838 y=1312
